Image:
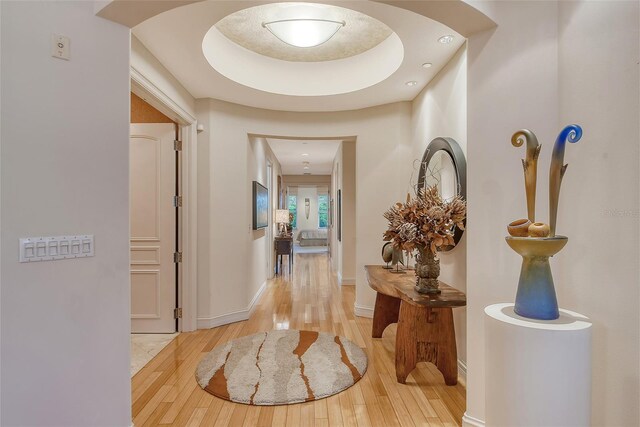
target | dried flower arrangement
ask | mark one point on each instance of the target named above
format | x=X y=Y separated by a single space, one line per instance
x=426 y=221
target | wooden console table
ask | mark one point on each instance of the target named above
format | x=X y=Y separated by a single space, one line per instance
x=283 y=246
x=425 y=322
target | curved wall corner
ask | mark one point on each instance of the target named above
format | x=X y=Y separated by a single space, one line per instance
x=456 y=14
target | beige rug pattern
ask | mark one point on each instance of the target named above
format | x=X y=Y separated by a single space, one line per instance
x=281 y=367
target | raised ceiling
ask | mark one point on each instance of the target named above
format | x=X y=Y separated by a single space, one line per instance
x=292 y=155
x=360 y=33
x=190 y=44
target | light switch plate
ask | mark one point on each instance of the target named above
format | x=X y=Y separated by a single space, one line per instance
x=53 y=248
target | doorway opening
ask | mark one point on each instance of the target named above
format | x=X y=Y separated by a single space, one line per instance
x=154 y=184
x=318 y=186
x=154 y=199
x=162 y=248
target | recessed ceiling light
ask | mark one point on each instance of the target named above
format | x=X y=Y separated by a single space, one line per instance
x=411 y=83
x=306 y=168
x=446 y=39
x=304 y=32
x=305 y=154
x=427 y=65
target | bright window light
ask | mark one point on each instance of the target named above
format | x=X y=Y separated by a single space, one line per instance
x=304 y=32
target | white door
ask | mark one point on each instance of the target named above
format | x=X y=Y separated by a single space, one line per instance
x=152 y=165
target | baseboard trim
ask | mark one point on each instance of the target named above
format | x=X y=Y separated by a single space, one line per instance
x=362 y=311
x=462 y=373
x=469 y=421
x=256 y=298
x=233 y=317
x=224 y=319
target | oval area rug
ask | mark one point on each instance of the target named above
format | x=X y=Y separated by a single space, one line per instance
x=281 y=367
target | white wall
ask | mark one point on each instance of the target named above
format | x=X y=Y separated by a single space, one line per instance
x=547 y=65
x=347 y=272
x=512 y=84
x=441 y=111
x=64 y=170
x=224 y=211
x=343 y=251
x=260 y=242
x=336 y=180
x=302 y=223
x=232 y=256
x=204 y=206
x=597 y=273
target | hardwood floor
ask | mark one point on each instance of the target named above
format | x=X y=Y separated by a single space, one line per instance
x=165 y=391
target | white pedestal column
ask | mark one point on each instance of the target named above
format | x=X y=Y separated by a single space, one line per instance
x=538 y=372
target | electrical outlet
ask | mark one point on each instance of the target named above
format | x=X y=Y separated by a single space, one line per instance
x=60 y=47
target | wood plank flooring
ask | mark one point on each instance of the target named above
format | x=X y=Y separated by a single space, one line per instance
x=165 y=391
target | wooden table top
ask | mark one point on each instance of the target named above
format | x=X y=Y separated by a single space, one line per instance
x=402 y=286
x=288 y=237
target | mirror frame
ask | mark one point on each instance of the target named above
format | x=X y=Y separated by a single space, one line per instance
x=459 y=163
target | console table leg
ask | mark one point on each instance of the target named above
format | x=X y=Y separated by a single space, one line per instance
x=410 y=319
x=385 y=313
x=447 y=355
x=426 y=335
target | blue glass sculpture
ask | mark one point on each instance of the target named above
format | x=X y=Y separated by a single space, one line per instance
x=536 y=295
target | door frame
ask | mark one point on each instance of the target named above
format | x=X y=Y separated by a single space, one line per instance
x=187 y=220
x=270 y=192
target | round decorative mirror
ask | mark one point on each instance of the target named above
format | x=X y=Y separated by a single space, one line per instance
x=444 y=165
x=441 y=172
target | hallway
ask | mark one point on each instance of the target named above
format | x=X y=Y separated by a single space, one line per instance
x=165 y=391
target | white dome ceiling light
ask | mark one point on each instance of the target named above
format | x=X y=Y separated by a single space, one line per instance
x=332 y=32
x=304 y=32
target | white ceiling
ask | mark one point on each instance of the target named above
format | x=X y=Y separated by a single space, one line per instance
x=374 y=77
x=360 y=33
x=290 y=155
